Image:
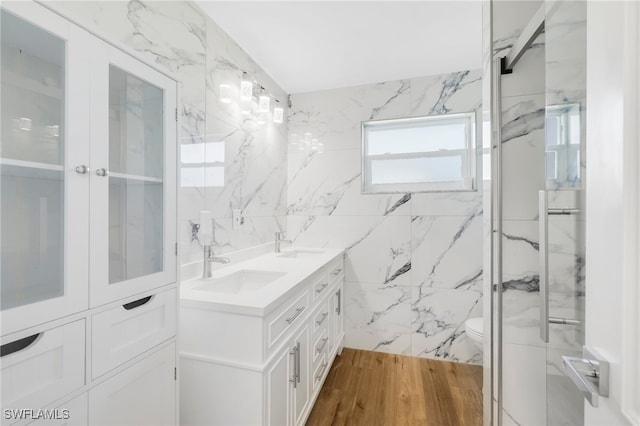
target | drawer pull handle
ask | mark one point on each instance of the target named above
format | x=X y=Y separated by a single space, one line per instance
x=337 y=272
x=324 y=343
x=18 y=345
x=322 y=287
x=294 y=316
x=321 y=320
x=136 y=303
x=321 y=373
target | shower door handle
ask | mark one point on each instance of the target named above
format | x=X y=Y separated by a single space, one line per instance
x=543 y=281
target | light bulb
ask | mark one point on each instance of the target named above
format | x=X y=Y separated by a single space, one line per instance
x=246 y=90
x=225 y=93
x=245 y=106
x=263 y=103
x=278 y=115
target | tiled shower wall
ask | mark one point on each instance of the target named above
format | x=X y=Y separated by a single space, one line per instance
x=248 y=160
x=414 y=261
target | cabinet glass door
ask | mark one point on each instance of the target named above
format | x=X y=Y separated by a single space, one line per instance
x=136 y=177
x=38 y=185
x=136 y=180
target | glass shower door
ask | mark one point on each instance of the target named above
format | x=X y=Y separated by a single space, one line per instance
x=562 y=206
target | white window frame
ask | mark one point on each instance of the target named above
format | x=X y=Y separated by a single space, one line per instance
x=468 y=155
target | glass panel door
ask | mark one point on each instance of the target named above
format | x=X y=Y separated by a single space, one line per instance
x=136 y=167
x=134 y=182
x=32 y=151
x=565 y=71
x=40 y=193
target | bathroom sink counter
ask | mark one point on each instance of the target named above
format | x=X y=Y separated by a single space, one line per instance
x=261 y=301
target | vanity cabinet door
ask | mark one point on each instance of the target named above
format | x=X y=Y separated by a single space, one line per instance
x=288 y=382
x=44 y=155
x=133 y=181
x=302 y=390
x=280 y=378
x=338 y=315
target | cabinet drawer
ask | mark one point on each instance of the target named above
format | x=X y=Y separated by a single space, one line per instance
x=42 y=368
x=290 y=316
x=320 y=372
x=128 y=330
x=336 y=271
x=143 y=394
x=320 y=346
x=71 y=413
x=320 y=318
x=321 y=287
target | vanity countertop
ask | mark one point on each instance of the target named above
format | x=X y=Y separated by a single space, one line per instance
x=202 y=294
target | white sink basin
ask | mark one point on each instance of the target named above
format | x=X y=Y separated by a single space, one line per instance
x=242 y=281
x=296 y=253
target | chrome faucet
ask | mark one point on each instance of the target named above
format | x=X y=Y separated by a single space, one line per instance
x=280 y=239
x=208 y=258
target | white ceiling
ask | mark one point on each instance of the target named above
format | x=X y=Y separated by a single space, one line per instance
x=316 y=45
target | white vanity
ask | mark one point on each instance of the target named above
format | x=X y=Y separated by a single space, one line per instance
x=258 y=338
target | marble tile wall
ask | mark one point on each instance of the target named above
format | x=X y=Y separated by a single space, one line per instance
x=413 y=270
x=245 y=161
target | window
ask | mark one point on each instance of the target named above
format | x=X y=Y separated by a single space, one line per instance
x=562 y=146
x=434 y=153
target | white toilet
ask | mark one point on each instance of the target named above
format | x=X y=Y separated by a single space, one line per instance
x=473 y=328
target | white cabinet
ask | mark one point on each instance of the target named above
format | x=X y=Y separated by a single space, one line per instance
x=280 y=377
x=43 y=367
x=133 y=163
x=129 y=329
x=70 y=413
x=144 y=394
x=87 y=224
x=288 y=381
x=337 y=310
x=87 y=168
x=44 y=263
x=301 y=386
x=278 y=367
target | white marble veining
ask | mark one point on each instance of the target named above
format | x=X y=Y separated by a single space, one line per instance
x=523 y=150
x=377 y=317
x=377 y=247
x=437 y=322
x=334 y=116
x=446 y=93
x=393 y=241
x=447 y=249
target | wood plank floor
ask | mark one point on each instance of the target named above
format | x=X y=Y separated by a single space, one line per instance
x=372 y=388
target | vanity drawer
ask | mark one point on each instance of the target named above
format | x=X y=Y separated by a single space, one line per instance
x=128 y=330
x=43 y=367
x=320 y=346
x=320 y=318
x=292 y=315
x=319 y=372
x=321 y=287
x=336 y=271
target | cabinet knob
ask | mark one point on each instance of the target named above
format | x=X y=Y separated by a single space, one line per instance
x=82 y=169
x=102 y=172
